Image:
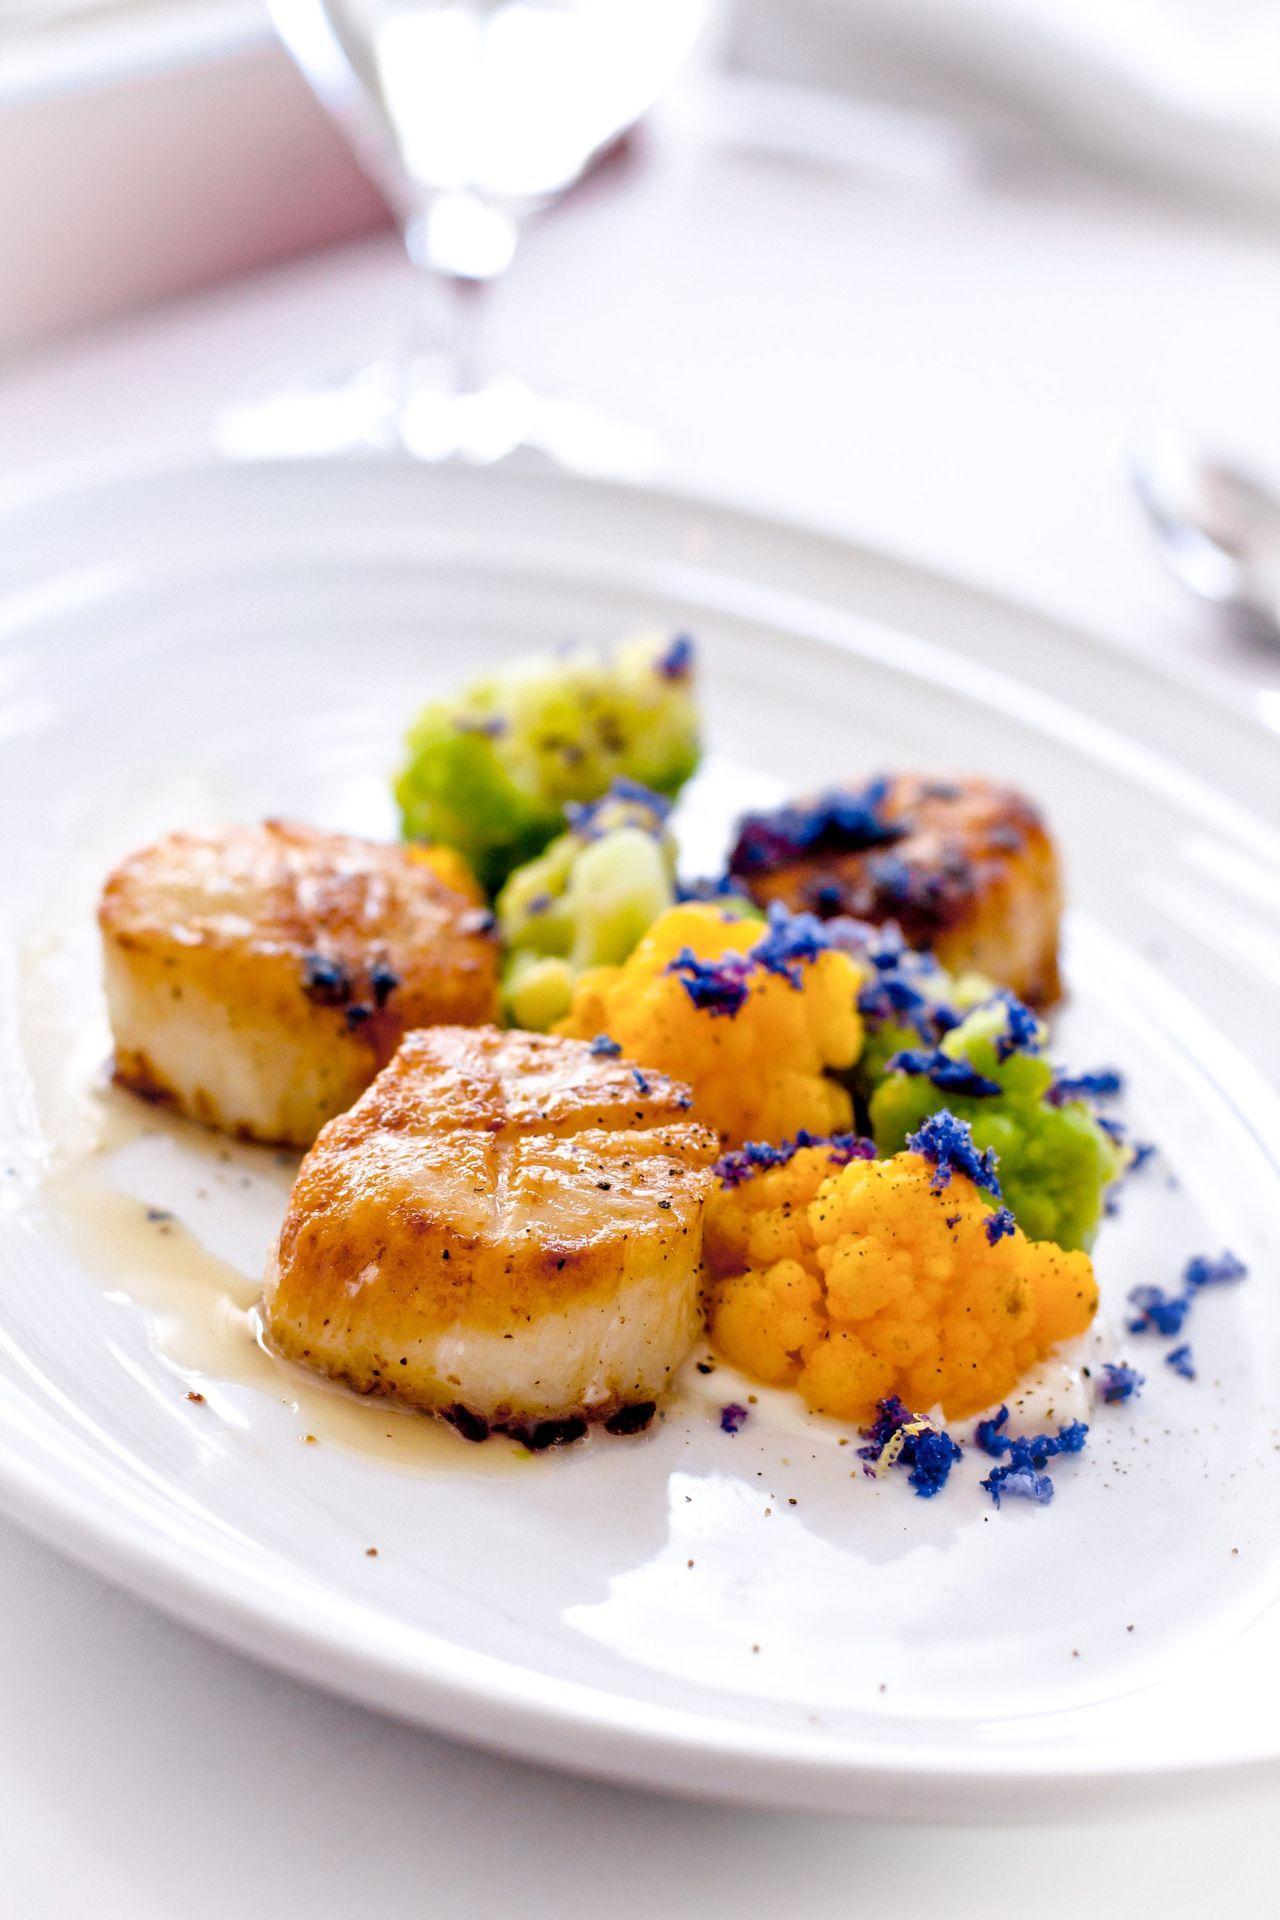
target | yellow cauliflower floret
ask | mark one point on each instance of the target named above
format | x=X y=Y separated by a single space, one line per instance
x=767 y=1217
x=866 y=1282
x=768 y=1318
x=448 y=865
x=758 y=1072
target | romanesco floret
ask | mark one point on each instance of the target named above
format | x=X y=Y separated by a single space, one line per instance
x=906 y=997
x=491 y=769
x=585 y=901
x=1056 y=1160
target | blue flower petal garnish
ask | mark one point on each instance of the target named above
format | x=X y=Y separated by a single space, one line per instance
x=1118 y=1382
x=757 y=1156
x=948 y=1143
x=948 y=1075
x=1023 y=1476
x=835 y=822
x=676 y=663
x=899 y=1438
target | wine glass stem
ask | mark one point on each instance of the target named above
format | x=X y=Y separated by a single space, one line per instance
x=467 y=302
x=459 y=241
x=442 y=348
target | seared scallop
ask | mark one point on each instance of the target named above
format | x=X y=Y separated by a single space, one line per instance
x=506 y=1229
x=964 y=865
x=258 y=977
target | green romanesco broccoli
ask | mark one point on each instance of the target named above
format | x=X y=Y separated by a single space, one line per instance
x=491 y=769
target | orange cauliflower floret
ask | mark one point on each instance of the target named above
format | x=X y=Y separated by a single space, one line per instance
x=448 y=865
x=871 y=1280
x=753 y=1018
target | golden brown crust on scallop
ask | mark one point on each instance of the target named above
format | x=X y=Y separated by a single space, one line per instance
x=973 y=875
x=487 y=1182
x=258 y=977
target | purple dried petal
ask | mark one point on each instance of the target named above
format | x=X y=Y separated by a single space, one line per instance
x=948 y=1143
x=835 y=822
x=945 y=1073
x=677 y=661
x=1119 y=1382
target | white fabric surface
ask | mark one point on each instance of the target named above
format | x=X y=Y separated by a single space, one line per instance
x=951 y=372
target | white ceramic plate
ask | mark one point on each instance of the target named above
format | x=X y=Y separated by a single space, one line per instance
x=225 y=642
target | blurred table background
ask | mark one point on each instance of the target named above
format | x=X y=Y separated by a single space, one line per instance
x=937 y=339
x=943 y=340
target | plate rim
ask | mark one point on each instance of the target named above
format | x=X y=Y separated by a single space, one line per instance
x=60 y=483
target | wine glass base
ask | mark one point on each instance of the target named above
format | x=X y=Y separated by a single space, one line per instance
x=377 y=410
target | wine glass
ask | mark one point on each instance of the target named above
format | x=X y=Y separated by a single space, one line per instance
x=471 y=115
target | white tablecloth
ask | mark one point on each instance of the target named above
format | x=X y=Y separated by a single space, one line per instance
x=954 y=372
